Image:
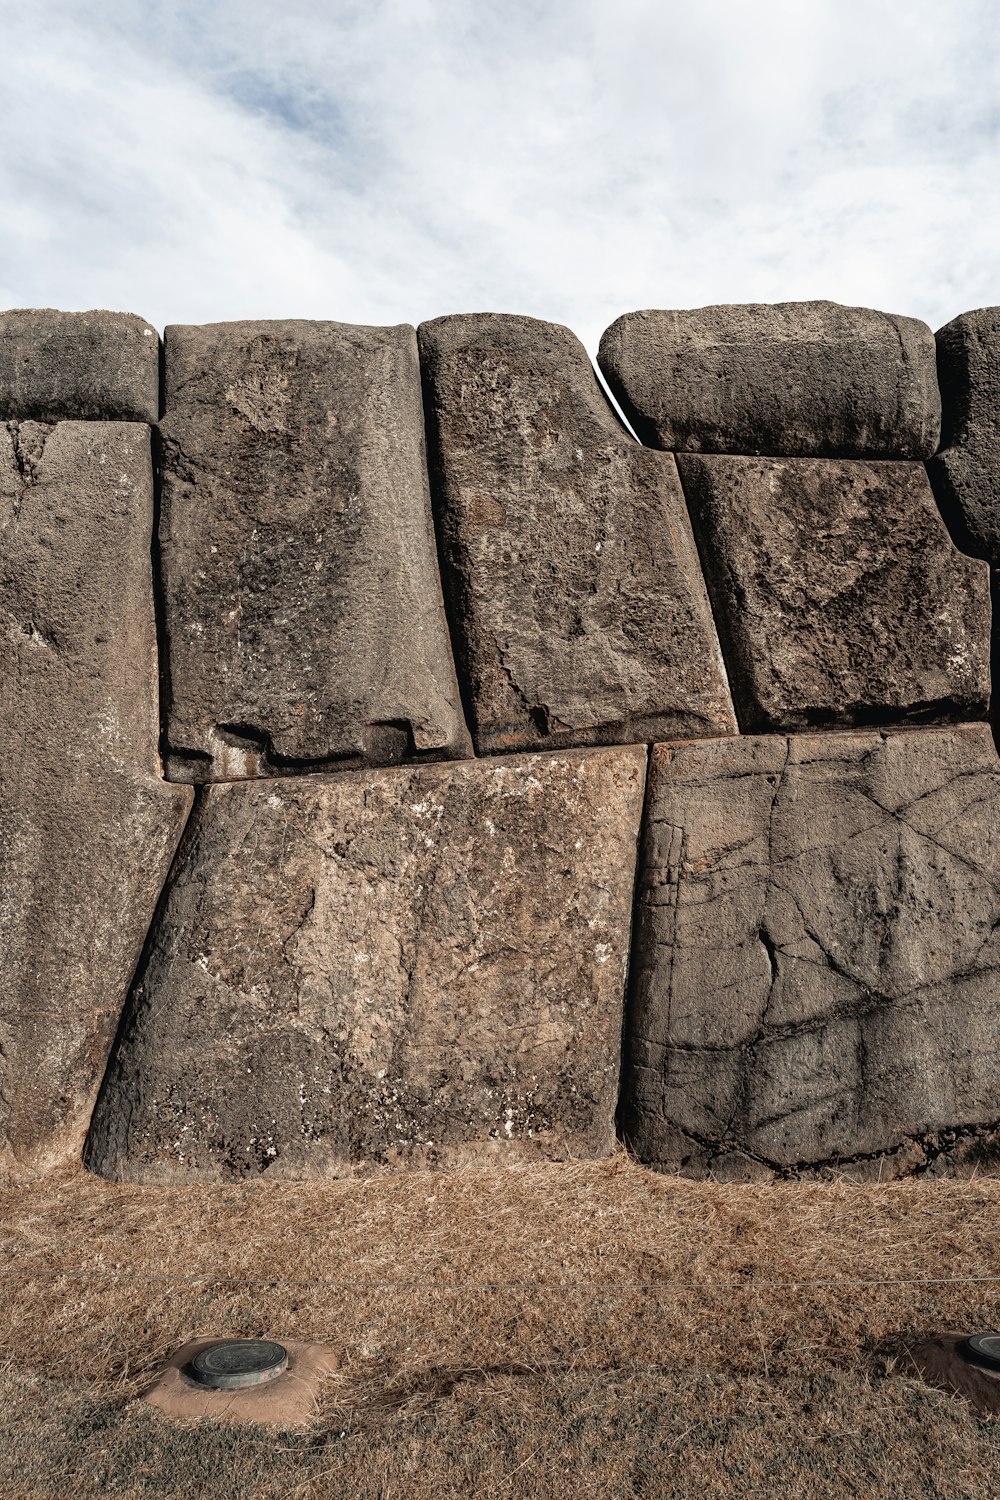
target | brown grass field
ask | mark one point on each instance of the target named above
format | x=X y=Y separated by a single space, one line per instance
x=581 y=1330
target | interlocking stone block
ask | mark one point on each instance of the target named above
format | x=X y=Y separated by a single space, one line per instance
x=789 y=379
x=89 y=366
x=816 y=956
x=577 y=602
x=966 y=473
x=840 y=596
x=407 y=967
x=302 y=598
x=87 y=827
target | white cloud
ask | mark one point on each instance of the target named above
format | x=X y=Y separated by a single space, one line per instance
x=394 y=160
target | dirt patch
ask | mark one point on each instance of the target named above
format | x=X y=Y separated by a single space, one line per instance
x=287 y=1401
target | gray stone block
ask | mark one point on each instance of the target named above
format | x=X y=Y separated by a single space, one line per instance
x=966 y=473
x=789 y=379
x=577 y=602
x=89 y=366
x=816 y=954
x=87 y=827
x=301 y=591
x=839 y=595
x=411 y=967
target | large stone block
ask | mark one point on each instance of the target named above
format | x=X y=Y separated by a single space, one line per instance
x=88 y=828
x=577 y=601
x=89 y=366
x=816 y=957
x=409 y=967
x=839 y=594
x=302 y=598
x=966 y=473
x=793 y=379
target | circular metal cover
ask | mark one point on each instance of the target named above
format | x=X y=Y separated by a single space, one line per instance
x=982 y=1349
x=235 y=1363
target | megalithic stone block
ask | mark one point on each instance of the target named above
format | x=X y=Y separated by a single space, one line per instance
x=301 y=590
x=789 y=379
x=966 y=473
x=816 y=955
x=577 y=602
x=840 y=596
x=89 y=366
x=87 y=828
x=411 y=967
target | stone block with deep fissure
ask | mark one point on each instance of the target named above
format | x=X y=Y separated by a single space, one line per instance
x=301 y=597
x=414 y=966
x=816 y=956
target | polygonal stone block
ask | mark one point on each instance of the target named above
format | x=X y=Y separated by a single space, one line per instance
x=399 y=968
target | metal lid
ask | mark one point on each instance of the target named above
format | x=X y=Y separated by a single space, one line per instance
x=982 y=1349
x=235 y=1363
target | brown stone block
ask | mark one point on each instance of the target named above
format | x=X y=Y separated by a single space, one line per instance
x=88 y=827
x=795 y=379
x=82 y=366
x=816 y=953
x=577 y=601
x=839 y=595
x=411 y=967
x=301 y=591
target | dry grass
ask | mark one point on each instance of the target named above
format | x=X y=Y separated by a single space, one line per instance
x=553 y=1330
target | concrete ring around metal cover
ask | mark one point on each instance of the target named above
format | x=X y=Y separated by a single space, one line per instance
x=941 y=1362
x=289 y=1400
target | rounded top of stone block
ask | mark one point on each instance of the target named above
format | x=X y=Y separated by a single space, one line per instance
x=95 y=366
x=787 y=379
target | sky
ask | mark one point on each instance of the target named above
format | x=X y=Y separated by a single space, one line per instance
x=393 y=160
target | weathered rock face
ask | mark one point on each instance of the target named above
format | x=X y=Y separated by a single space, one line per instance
x=839 y=594
x=816 y=952
x=796 y=379
x=576 y=598
x=966 y=473
x=87 y=828
x=98 y=366
x=405 y=968
x=302 y=598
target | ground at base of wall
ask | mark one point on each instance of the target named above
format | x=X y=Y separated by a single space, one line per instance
x=585 y=1330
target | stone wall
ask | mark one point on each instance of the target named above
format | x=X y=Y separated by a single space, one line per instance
x=400 y=765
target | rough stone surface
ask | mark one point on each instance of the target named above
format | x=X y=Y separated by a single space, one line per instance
x=816 y=955
x=410 y=967
x=966 y=473
x=87 y=828
x=840 y=597
x=302 y=599
x=577 y=601
x=794 y=379
x=89 y=366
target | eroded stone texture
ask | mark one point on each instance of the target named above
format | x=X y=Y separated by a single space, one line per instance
x=577 y=601
x=839 y=595
x=410 y=967
x=302 y=598
x=817 y=951
x=966 y=473
x=87 y=828
x=795 y=379
x=96 y=366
